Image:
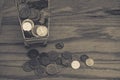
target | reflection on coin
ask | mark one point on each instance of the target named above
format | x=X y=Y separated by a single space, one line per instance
x=26 y=67
x=75 y=64
x=89 y=62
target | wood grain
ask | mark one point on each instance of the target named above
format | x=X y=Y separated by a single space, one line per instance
x=1 y=13
x=89 y=27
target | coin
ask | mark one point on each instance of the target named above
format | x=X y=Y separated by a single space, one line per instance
x=40 y=71
x=89 y=62
x=26 y=67
x=42 y=31
x=34 y=64
x=58 y=61
x=34 y=14
x=33 y=53
x=59 y=45
x=66 y=55
x=44 y=59
x=52 y=69
x=27 y=25
x=75 y=64
x=24 y=11
x=66 y=62
x=83 y=58
x=53 y=55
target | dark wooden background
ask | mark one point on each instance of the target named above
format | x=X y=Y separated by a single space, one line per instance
x=89 y=27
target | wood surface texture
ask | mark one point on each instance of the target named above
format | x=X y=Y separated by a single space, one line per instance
x=89 y=27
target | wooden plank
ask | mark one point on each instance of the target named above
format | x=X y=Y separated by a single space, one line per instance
x=103 y=65
x=76 y=46
x=9 y=4
x=1 y=14
x=104 y=57
x=67 y=32
x=58 y=79
x=66 y=72
x=85 y=27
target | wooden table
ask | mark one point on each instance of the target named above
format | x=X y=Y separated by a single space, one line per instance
x=85 y=26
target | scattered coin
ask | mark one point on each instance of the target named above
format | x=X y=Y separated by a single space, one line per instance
x=89 y=62
x=52 y=69
x=26 y=67
x=33 y=53
x=44 y=59
x=75 y=64
x=53 y=55
x=58 y=61
x=40 y=71
x=66 y=62
x=59 y=45
x=34 y=64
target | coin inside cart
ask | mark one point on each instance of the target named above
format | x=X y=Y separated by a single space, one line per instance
x=75 y=64
x=89 y=62
x=42 y=31
x=27 y=25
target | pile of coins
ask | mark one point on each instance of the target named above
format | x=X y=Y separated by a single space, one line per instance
x=32 y=30
x=34 y=21
x=32 y=9
x=43 y=64
x=51 y=63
